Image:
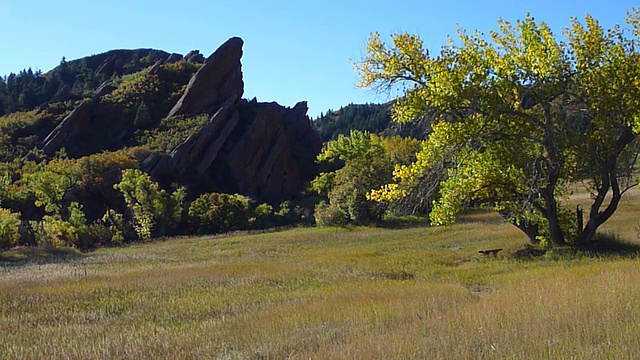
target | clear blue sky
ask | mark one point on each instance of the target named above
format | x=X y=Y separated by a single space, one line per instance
x=294 y=50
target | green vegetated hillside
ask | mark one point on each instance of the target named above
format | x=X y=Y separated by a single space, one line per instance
x=131 y=145
x=374 y=118
x=366 y=117
x=63 y=194
x=329 y=293
x=72 y=79
x=33 y=104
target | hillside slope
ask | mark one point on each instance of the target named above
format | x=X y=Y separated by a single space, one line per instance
x=374 y=118
x=181 y=120
x=147 y=99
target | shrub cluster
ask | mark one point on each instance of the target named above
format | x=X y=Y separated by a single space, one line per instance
x=103 y=199
x=354 y=165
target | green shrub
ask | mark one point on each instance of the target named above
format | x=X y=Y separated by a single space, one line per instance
x=9 y=228
x=52 y=183
x=155 y=211
x=330 y=215
x=54 y=231
x=284 y=210
x=214 y=213
x=171 y=132
x=114 y=222
x=97 y=234
x=262 y=217
x=132 y=89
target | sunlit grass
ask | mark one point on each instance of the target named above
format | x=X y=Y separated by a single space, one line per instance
x=356 y=293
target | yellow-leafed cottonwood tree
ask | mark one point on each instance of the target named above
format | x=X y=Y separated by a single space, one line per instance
x=522 y=115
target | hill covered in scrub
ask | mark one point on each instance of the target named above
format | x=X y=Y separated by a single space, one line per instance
x=374 y=118
x=74 y=80
x=123 y=143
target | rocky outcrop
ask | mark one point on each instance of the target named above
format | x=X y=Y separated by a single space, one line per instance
x=219 y=79
x=194 y=56
x=197 y=153
x=102 y=90
x=75 y=123
x=108 y=66
x=173 y=58
x=263 y=160
x=70 y=126
x=263 y=150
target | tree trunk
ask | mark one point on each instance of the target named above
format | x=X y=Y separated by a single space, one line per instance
x=597 y=217
x=555 y=231
x=587 y=234
x=580 y=218
x=532 y=231
x=551 y=214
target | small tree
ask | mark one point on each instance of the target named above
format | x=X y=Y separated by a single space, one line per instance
x=155 y=211
x=368 y=162
x=54 y=231
x=52 y=183
x=330 y=215
x=262 y=217
x=522 y=116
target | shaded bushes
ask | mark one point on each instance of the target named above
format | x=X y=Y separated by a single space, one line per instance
x=330 y=215
x=55 y=231
x=9 y=228
x=215 y=213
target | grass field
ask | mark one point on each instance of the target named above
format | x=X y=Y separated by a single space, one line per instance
x=360 y=293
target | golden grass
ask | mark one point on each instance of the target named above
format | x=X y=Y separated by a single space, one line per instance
x=359 y=293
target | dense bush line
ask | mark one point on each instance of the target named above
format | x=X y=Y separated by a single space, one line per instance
x=104 y=199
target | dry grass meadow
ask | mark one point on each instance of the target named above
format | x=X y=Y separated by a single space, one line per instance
x=357 y=293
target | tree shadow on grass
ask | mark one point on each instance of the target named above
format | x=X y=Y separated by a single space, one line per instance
x=609 y=243
x=603 y=245
x=39 y=255
x=403 y=222
x=480 y=215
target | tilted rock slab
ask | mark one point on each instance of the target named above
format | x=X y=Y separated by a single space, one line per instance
x=267 y=151
x=217 y=80
x=74 y=123
x=263 y=150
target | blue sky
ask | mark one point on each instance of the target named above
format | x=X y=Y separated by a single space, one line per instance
x=294 y=50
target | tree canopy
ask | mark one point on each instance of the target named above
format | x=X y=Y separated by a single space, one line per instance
x=358 y=163
x=522 y=115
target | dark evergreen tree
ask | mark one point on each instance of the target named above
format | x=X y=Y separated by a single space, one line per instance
x=3 y=96
x=368 y=117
